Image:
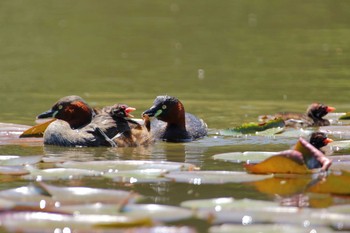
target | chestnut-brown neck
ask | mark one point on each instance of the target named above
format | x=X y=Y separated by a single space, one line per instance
x=176 y=116
x=77 y=114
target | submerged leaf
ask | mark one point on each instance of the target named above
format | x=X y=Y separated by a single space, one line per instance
x=37 y=130
x=252 y=128
x=335 y=183
x=283 y=186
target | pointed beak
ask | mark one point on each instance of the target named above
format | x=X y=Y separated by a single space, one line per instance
x=48 y=114
x=330 y=109
x=150 y=112
x=327 y=140
x=128 y=110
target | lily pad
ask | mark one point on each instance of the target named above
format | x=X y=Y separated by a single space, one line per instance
x=137 y=176
x=266 y=228
x=163 y=213
x=37 y=130
x=304 y=159
x=342 y=165
x=76 y=195
x=53 y=222
x=239 y=157
x=30 y=195
x=13 y=170
x=339 y=145
x=336 y=131
x=14 y=160
x=58 y=173
x=213 y=177
x=344 y=116
x=221 y=203
x=253 y=128
x=124 y=165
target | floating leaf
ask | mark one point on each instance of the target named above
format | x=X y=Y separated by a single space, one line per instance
x=163 y=213
x=27 y=196
x=13 y=170
x=37 y=130
x=217 y=204
x=74 y=195
x=343 y=164
x=272 y=215
x=252 y=128
x=239 y=157
x=94 y=208
x=339 y=145
x=265 y=228
x=304 y=159
x=137 y=176
x=124 y=165
x=58 y=173
x=13 y=160
x=213 y=177
x=51 y=222
x=344 y=116
x=336 y=131
x=288 y=161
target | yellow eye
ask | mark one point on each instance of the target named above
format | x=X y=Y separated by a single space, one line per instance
x=164 y=106
x=60 y=107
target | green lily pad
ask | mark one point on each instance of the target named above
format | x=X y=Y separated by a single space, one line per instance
x=253 y=128
x=336 y=131
x=58 y=173
x=125 y=165
x=53 y=222
x=13 y=170
x=214 y=177
x=137 y=176
x=14 y=160
x=340 y=166
x=30 y=195
x=344 y=116
x=239 y=157
x=80 y=195
x=339 y=145
x=163 y=213
x=266 y=228
x=221 y=203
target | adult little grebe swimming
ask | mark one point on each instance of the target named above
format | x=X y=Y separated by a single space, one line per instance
x=179 y=126
x=78 y=124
